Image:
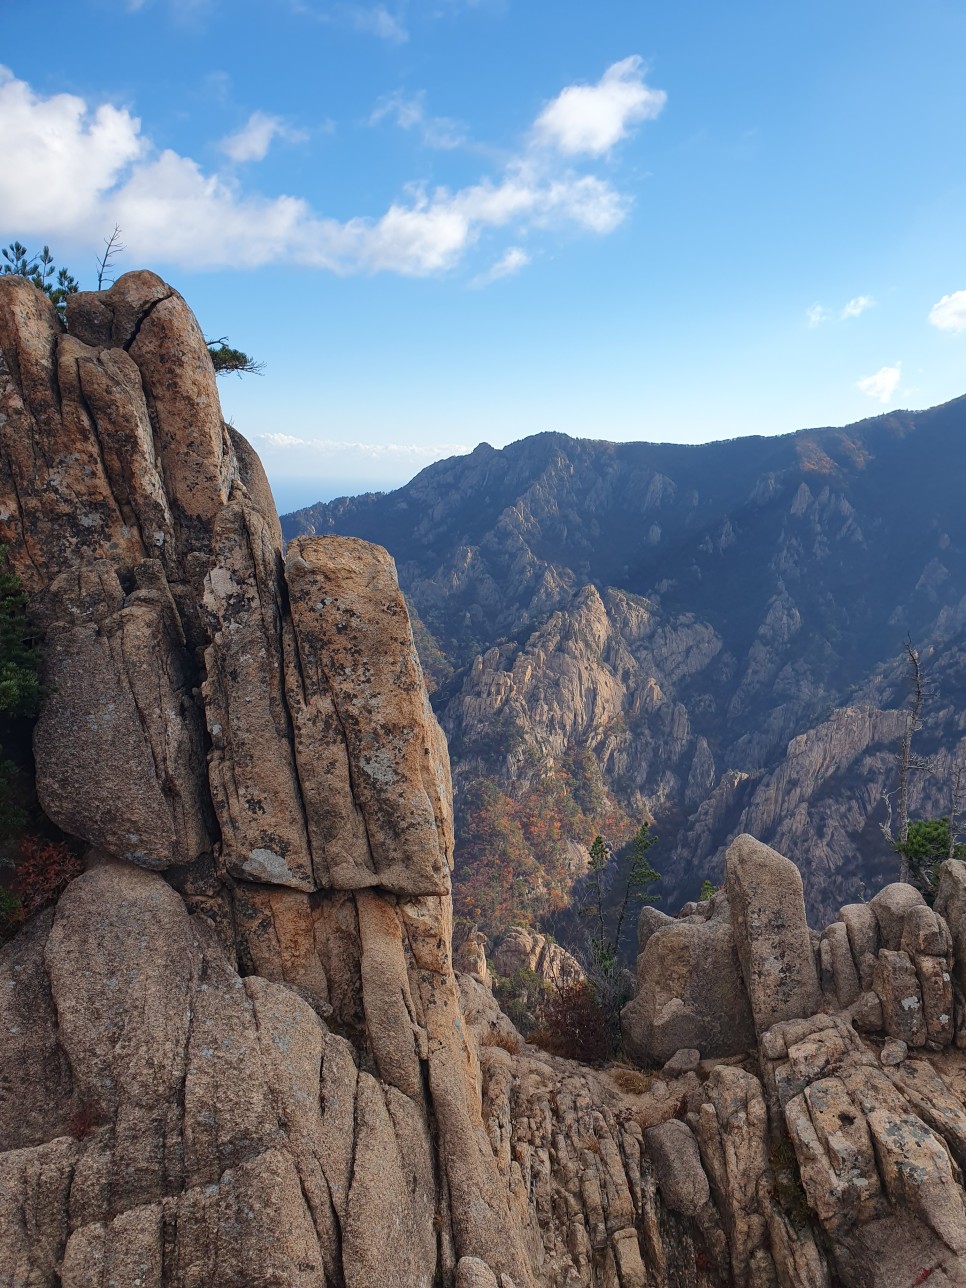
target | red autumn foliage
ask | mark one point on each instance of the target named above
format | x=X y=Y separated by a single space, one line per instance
x=512 y=859
x=43 y=871
x=83 y=1121
x=573 y=1023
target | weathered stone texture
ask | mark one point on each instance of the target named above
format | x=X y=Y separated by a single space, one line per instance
x=236 y=1054
x=771 y=933
x=689 y=994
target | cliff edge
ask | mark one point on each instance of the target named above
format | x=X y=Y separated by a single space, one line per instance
x=236 y=1053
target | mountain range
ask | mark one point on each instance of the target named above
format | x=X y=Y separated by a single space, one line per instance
x=709 y=636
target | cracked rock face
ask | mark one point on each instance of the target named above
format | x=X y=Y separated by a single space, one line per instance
x=242 y=1024
x=236 y=1053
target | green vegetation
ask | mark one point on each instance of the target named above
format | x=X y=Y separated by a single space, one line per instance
x=37 y=867
x=521 y=997
x=228 y=361
x=57 y=283
x=19 y=699
x=640 y=875
x=927 y=844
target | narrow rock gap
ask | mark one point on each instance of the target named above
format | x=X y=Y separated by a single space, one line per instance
x=85 y=402
x=277 y=593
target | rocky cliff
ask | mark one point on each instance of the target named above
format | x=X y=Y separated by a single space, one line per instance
x=236 y=1053
x=717 y=625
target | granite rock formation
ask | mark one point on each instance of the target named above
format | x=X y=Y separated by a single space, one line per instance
x=241 y=1026
x=236 y=1053
x=860 y=1035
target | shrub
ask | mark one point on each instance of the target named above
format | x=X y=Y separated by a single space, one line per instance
x=573 y=1023
x=11 y=914
x=43 y=871
x=631 y=1081
x=506 y=1041
x=520 y=996
x=925 y=847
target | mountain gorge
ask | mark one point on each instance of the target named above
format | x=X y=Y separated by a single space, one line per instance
x=242 y=1046
x=716 y=627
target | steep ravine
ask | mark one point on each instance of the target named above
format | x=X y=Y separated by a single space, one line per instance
x=236 y=1053
x=731 y=611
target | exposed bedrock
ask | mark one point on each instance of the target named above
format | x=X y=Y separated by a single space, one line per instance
x=264 y=745
x=236 y=1053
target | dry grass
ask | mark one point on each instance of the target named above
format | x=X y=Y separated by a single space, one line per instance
x=630 y=1081
x=506 y=1041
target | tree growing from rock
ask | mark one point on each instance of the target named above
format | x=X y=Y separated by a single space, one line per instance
x=56 y=283
x=59 y=284
x=640 y=875
x=615 y=882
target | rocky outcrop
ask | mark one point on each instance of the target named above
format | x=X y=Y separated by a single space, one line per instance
x=244 y=1016
x=767 y=902
x=236 y=1053
x=689 y=991
x=524 y=950
x=858 y=1119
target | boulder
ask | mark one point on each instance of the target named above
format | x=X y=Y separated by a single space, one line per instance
x=677 y=1163
x=471 y=1272
x=866 y=1012
x=684 y=1061
x=890 y=906
x=689 y=994
x=898 y=989
x=951 y=905
x=649 y=920
x=863 y=930
x=351 y=621
x=846 y=984
x=925 y=933
x=771 y=934
x=893 y=1052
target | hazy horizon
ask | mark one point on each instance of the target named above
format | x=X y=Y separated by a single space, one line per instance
x=443 y=221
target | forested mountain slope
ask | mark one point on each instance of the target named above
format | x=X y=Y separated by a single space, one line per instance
x=707 y=633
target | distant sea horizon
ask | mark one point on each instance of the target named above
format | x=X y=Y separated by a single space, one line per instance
x=296 y=494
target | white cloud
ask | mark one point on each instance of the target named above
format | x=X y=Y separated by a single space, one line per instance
x=70 y=168
x=378 y=22
x=410 y=113
x=857 y=306
x=816 y=315
x=591 y=119
x=59 y=157
x=372 y=451
x=883 y=384
x=950 y=313
x=509 y=263
x=252 y=141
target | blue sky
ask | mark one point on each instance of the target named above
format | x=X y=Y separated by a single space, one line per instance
x=445 y=221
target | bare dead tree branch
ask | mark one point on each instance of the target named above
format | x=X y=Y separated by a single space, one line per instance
x=905 y=751
x=957 y=804
x=112 y=248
